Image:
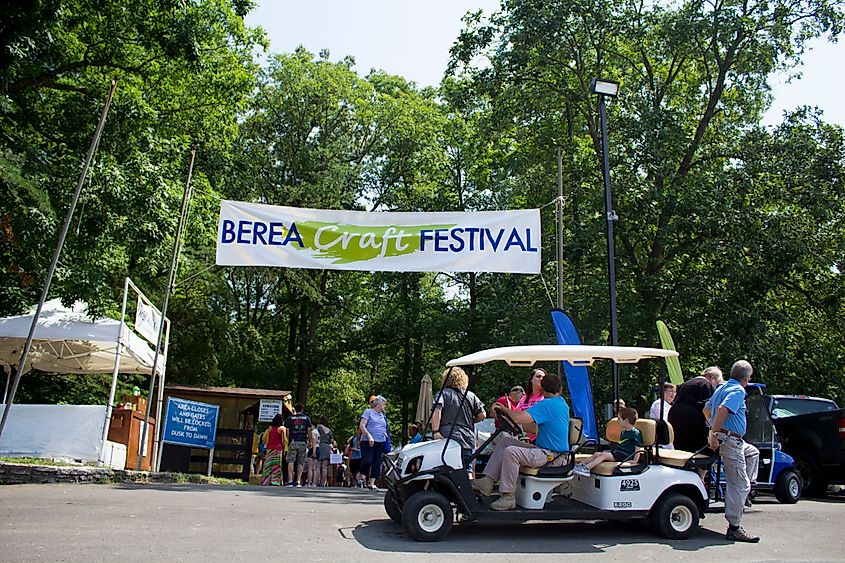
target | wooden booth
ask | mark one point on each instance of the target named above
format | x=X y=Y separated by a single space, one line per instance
x=236 y=437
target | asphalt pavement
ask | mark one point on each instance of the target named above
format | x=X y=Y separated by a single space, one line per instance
x=213 y=523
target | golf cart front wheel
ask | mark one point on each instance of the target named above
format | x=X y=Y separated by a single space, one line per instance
x=675 y=517
x=392 y=507
x=788 y=487
x=427 y=516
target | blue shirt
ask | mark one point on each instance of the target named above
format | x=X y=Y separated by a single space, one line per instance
x=356 y=449
x=376 y=425
x=552 y=418
x=730 y=395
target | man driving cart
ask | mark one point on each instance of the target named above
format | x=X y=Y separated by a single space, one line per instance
x=550 y=420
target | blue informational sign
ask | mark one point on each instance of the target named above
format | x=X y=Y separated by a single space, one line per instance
x=190 y=423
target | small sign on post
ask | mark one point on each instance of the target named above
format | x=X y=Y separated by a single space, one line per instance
x=268 y=409
x=147 y=321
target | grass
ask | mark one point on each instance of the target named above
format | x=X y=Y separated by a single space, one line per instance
x=39 y=461
x=179 y=478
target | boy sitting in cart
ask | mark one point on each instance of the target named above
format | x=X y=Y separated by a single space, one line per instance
x=625 y=450
x=550 y=417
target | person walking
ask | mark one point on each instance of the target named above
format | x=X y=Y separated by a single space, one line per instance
x=726 y=411
x=311 y=471
x=325 y=443
x=298 y=426
x=374 y=436
x=274 y=438
x=353 y=455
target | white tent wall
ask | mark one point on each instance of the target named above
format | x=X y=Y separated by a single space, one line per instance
x=57 y=431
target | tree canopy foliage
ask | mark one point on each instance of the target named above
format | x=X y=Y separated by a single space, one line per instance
x=731 y=231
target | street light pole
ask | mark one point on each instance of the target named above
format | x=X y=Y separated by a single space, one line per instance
x=604 y=89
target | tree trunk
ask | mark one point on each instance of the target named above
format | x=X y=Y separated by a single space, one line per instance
x=309 y=320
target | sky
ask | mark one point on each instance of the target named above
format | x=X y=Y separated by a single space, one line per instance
x=412 y=38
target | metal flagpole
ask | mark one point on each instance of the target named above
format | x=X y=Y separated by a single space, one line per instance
x=611 y=258
x=559 y=222
x=171 y=278
x=26 y=349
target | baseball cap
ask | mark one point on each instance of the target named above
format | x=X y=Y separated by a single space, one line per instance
x=517 y=388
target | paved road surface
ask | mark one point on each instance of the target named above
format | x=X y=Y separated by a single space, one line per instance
x=197 y=522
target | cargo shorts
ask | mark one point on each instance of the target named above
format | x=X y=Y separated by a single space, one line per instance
x=296 y=452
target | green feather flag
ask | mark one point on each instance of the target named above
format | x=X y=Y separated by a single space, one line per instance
x=673 y=365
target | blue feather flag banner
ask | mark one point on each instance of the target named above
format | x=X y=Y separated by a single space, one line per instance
x=577 y=379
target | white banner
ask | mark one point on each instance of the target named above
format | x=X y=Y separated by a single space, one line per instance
x=147 y=321
x=251 y=234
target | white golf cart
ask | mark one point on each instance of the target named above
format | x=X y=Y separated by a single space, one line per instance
x=428 y=487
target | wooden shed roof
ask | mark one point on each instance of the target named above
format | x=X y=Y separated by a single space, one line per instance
x=229 y=391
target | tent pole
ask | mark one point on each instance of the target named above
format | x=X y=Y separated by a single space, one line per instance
x=113 y=388
x=25 y=354
x=8 y=380
x=160 y=427
x=171 y=278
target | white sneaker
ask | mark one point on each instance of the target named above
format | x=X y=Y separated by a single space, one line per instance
x=581 y=470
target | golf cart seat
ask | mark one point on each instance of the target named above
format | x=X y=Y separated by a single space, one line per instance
x=535 y=484
x=680 y=458
x=613 y=433
x=575 y=432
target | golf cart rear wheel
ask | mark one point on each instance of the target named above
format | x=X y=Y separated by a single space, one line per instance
x=392 y=507
x=788 y=487
x=427 y=516
x=675 y=516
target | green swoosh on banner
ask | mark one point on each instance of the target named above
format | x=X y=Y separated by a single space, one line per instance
x=355 y=243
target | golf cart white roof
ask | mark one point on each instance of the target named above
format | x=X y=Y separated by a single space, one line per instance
x=574 y=354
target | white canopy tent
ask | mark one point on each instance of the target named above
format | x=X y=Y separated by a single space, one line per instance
x=68 y=340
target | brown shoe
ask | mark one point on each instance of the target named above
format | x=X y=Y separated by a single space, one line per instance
x=506 y=502
x=484 y=485
x=739 y=534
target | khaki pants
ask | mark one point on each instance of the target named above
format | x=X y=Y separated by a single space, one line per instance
x=741 y=460
x=509 y=455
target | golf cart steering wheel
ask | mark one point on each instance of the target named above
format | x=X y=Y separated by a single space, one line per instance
x=507 y=423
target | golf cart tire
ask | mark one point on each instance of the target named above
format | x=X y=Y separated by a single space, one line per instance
x=427 y=516
x=788 y=487
x=675 y=516
x=394 y=511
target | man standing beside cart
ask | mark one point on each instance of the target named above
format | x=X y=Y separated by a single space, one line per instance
x=551 y=418
x=726 y=411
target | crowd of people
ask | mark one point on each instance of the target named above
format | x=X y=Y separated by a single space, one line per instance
x=295 y=452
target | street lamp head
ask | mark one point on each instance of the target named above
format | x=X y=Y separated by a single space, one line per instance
x=604 y=87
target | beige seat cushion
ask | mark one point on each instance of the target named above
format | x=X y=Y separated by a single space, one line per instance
x=575 y=434
x=582 y=458
x=648 y=429
x=677 y=458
